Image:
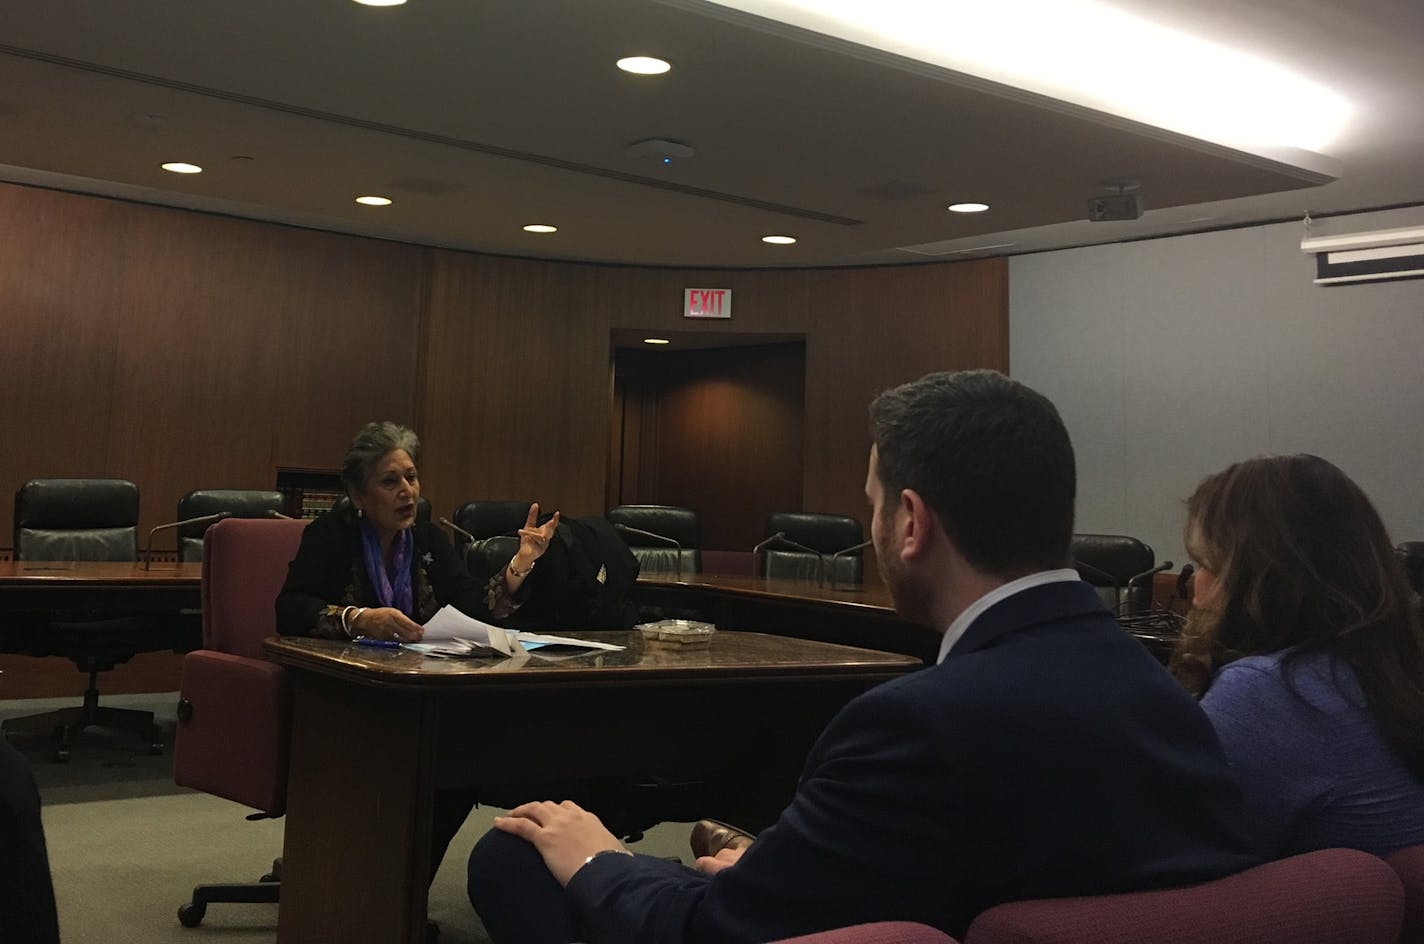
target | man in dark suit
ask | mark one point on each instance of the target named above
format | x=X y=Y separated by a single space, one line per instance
x=1047 y=754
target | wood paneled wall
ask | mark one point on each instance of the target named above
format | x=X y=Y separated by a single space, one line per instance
x=727 y=424
x=183 y=350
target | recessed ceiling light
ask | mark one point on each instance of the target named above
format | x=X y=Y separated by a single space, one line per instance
x=380 y=3
x=644 y=65
x=968 y=207
x=540 y=228
x=178 y=167
x=374 y=201
x=656 y=341
x=779 y=240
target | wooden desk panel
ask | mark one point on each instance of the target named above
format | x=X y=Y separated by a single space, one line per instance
x=376 y=731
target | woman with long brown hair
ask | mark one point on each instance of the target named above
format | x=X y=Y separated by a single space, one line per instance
x=1306 y=648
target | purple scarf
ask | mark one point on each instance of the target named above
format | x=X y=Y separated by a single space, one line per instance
x=392 y=587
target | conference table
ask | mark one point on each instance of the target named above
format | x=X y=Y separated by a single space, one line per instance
x=375 y=732
x=115 y=587
x=854 y=615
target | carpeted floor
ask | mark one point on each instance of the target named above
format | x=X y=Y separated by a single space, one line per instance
x=127 y=845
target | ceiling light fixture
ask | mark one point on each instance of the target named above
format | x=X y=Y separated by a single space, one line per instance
x=179 y=167
x=968 y=207
x=374 y=201
x=656 y=341
x=380 y=3
x=779 y=240
x=540 y=228
x=644 y=65
x=1096 y=55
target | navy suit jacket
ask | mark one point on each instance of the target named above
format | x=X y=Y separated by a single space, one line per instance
x=1048 y=755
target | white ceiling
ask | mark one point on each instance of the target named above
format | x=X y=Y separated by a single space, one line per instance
x=478 y=116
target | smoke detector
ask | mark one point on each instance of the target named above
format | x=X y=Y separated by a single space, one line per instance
x=661 y=149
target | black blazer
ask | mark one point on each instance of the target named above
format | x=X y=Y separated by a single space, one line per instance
x=1048 y=755
x=329 y=571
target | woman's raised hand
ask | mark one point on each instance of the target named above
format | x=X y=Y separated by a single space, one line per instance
x=534 y=538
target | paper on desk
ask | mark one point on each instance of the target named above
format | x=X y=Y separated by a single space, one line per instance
x=452 y=633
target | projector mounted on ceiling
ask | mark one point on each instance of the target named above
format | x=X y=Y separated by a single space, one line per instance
x=1384 y=255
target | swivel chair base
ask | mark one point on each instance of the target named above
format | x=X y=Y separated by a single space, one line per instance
x=65 y=724
x=267 y=891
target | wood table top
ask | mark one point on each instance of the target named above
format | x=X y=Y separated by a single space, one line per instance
x=729 y=655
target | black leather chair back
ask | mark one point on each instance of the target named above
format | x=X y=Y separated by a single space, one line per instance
x=237 y=502
x=668 y=521
x=1108 y=562
x=824 y=535
x=485 y=519
x=76 y=520
x=1411 y=554
x=485 y=556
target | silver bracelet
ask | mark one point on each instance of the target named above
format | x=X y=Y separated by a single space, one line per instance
x=345 y=612
x=520 y=573
x=604 y=852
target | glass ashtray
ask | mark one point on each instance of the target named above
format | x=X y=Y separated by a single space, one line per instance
x=680 y=631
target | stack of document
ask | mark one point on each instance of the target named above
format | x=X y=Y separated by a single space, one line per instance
x=452 y=634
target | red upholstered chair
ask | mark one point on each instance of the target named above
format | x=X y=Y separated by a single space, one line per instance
x=881 y=932
x=235 y=706
x=1408 y=864
x=1332 y=896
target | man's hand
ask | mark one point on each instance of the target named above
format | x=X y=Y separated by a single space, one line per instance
x=727 y=855
x=564 y=833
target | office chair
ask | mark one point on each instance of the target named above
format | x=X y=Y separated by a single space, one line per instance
x=878 y=932
x=236 y=502
x=664 y=538
x=488 y=532
x=86 y=520
x=1330 y=896
x=1109 y=562
x=803 y=545
x=234 y=710
x=1408 y=864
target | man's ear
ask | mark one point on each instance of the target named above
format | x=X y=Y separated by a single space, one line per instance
x=919 y=525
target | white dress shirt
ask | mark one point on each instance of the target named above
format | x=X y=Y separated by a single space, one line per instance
x=964 y=620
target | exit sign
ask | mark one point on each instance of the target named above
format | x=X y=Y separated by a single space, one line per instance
x=706 y=303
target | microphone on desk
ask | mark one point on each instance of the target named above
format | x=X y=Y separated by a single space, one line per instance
x=1137 y=581
x=847 y=550
x=677 y=561
x=274 y=513
x=457 y=529
x=781 y=538
x=201 y=519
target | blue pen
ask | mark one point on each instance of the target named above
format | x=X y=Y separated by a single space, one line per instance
x=378 y=643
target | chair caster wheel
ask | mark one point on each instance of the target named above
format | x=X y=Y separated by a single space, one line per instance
x=61 y=755
x=156 y=748
x=190 y=915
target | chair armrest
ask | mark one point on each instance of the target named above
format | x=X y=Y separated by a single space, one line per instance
x=234 y=729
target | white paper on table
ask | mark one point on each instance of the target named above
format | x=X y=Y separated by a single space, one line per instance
x=451 y=626
x=535 y=640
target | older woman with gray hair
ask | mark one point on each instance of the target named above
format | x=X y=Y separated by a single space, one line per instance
x=369 y=569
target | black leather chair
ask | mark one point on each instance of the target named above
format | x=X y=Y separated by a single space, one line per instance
x=671 y=542
x=1109 y=562
x=811 y=546
x=493 y=527
x=1411 y=554
x=236 y=502
x=86 y=520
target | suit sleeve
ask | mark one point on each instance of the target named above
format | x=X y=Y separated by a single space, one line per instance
x=874 y=822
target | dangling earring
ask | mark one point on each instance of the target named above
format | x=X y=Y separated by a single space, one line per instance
x=360 y=512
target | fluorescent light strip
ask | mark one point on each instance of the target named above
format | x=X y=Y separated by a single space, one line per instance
x=1091 y=54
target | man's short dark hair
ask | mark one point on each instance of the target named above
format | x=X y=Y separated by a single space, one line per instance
x=990 y=457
